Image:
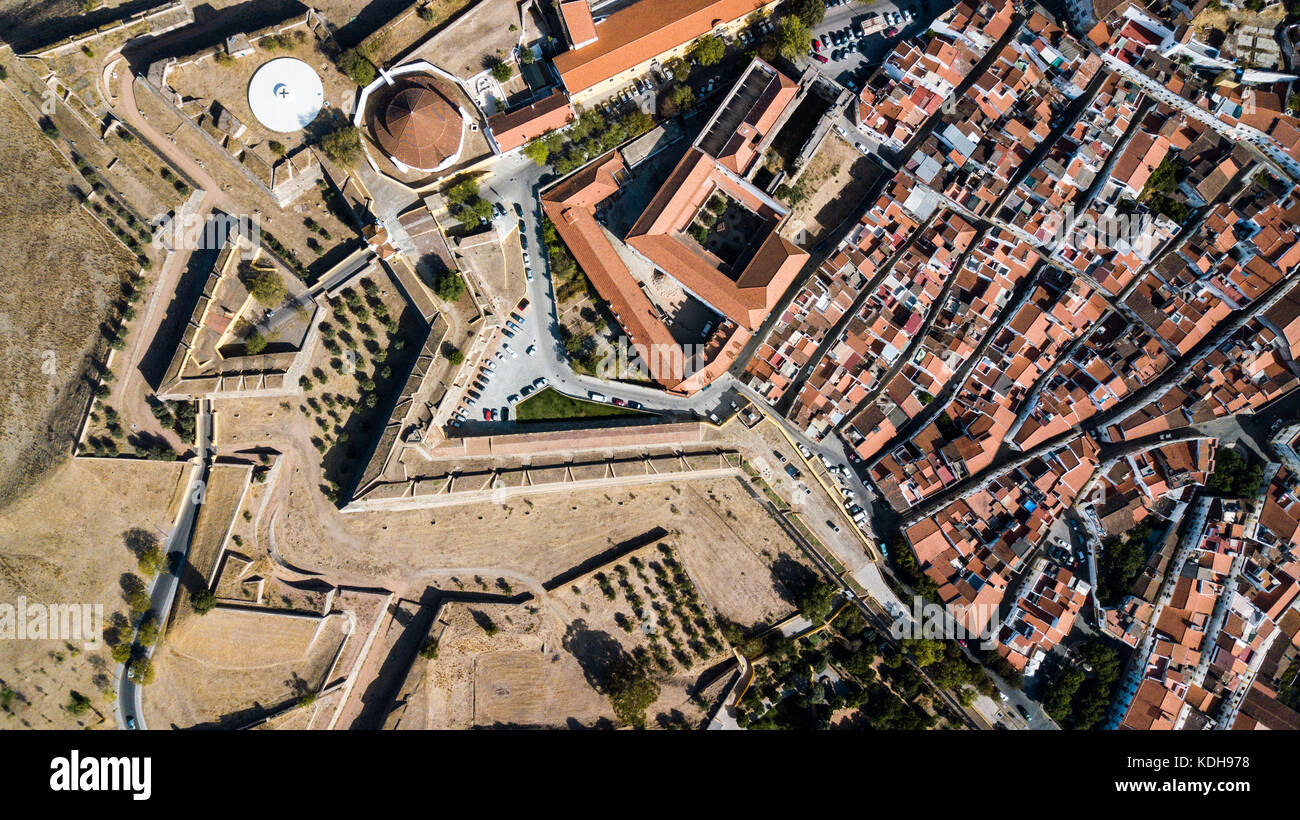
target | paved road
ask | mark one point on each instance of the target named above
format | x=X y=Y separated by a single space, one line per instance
x=162 y=591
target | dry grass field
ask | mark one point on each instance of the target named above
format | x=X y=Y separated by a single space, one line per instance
x=61 y=270
x=229 y=666
x=63 y=544
x=733 y=555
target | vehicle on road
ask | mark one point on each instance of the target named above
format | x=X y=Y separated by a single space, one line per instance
x=1024 y=713
x=130 y=720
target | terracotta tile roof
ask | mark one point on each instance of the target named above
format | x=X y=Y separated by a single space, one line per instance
x=512 y=129
x=641 y=31
x=577 y=19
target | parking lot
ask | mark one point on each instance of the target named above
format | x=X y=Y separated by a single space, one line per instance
x=855 y=37
x=509 y=370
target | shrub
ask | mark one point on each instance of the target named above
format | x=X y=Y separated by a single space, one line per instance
x=358 y=69
x=343 y=144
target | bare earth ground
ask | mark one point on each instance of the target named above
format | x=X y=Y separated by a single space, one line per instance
x=60 y=269
x=835 y=180
x=534 y=540
x=518 y=677
x=63 y=544
x=220 y=668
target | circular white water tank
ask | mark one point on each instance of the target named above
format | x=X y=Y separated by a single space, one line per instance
x=285 y=94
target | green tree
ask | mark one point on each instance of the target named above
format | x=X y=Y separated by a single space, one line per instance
x=121 y=653
x=811 y=12
x=203 y=601
x=150 y=561
x=142 y=671
x=791 y=37
x=355 y=65
x=682 y=97
x=255 y=344
x=501 y=71
x=924 y=651
x=709 y=50
x=78 y=704
x=449 y=286
x=343 y=144
x=266 y=286
x=541 y=149
x=455 y=357
x=630 y=691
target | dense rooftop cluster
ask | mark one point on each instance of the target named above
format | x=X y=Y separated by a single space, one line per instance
x=1074 y=269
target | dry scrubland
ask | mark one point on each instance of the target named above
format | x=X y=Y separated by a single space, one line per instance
x=63 y=544
x=61 y=269
x=726 y=538
x=231 y=664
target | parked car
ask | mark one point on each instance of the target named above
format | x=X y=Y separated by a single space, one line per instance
x=817 y=46
x=635 y=405
x=541 y=382
x=779 y=456
x=594 y=396
x=619 y=402
x=531 y=350
x=792 y=471
x=834 y=527
x=820 y=58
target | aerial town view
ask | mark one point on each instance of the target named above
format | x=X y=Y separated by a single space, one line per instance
x=722 y=365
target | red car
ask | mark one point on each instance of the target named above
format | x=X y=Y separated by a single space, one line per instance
x=620 y=402
x=821 y=57
x=816 y=45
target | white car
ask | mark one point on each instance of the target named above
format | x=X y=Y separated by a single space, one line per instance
x=510 y=324
x=541 y=382
x=507 y=349
x=491 y=366
x=513 y=398
x=532 y=350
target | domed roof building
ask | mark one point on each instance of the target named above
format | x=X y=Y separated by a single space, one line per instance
x=416 y=124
